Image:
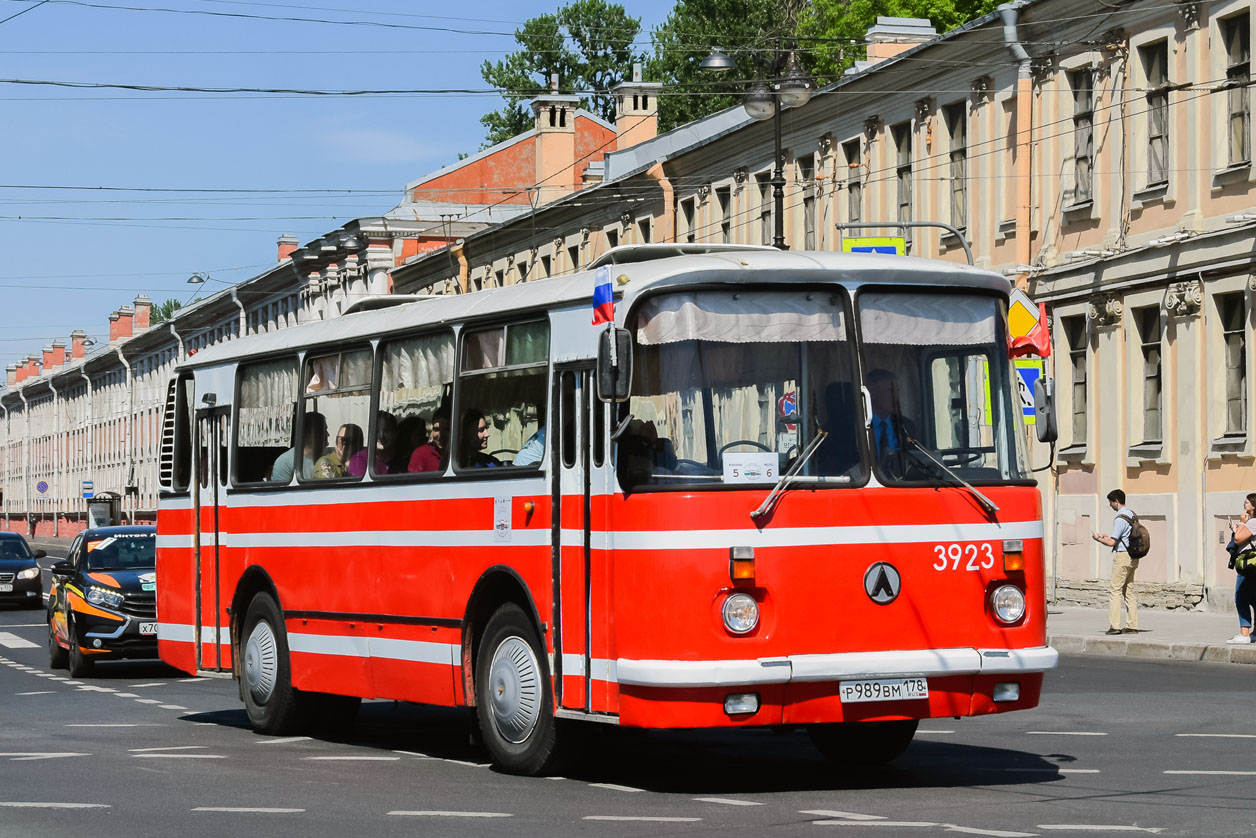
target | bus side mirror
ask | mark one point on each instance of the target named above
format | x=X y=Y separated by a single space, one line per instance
x=1044 y=407
x=614 y=368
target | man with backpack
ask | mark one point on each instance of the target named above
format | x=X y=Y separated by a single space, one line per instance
x=1129 y=542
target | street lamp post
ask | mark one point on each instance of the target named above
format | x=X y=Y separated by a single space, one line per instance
x=789 y=88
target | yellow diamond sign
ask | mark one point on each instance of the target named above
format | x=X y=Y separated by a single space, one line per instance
x=1022 y=314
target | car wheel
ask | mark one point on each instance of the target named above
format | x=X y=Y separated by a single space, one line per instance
x=80 y=664
x=57 y=658
x=863 y=743
x=273 y=705
x=514 y=700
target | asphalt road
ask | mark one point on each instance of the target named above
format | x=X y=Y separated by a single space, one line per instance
x=1117 y=747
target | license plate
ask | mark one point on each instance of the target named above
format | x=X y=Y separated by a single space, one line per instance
x=148 y=628
x=893 y=689
x=6 y=588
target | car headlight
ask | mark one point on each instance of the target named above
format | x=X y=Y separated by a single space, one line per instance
x=1008 y=603
x=741 y=613
x=104 y=596
x=29 y=573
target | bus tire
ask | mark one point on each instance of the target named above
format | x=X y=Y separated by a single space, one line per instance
x=57 y=657
x=863 y=743
x=273 y=705
x=514 y=699
x=80 y=664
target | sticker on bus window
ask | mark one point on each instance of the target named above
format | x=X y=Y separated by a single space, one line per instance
x=751 y=468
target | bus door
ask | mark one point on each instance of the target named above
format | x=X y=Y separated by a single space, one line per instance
x=209 y=485
x=578 y=636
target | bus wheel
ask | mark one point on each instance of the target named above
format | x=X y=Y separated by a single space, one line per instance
x=273 y=705
x=80 y=665
x=513 y=695
x=57 y=658
x=863 y=743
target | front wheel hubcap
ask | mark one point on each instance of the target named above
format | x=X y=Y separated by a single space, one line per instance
x=514 y=682
x=261 y=662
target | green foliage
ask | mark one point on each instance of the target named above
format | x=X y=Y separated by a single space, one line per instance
x=588 y=44
x=162 y=312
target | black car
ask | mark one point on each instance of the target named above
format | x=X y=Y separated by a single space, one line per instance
x=20 y=582
x=103 y=602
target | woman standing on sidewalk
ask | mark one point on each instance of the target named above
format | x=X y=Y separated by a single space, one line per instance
x=1241 y=544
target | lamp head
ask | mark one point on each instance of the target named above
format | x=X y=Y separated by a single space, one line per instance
x=759 y=101
x=717 y=62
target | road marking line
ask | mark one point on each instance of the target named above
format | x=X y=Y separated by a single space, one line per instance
x=435 y=814
x=153 y=684
x=467 y=763
x=180 y=756
x=1055 y=770
x=1063 y=733
x=39 y=692
x=126 y=695
x=613 y=787
x=939 y=732
x=74 y=683
x=264 y=810
x=284 y=740
x=148 y=701
x=355 y=759
x=32 y=805
x=172 y=707
x=27 y=755
x=727 y=801
x=116 y=724
x=1220 y=735
x=852 y=816
x=639 y=818
x=12 y=641
x=1217 y=773
x=92 y=688
x=1099 y=827
x=904 y=824
x=194 y=680
x=997 y=833
x=167 y=748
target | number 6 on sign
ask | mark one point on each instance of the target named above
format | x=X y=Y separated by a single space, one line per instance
x=970 y=557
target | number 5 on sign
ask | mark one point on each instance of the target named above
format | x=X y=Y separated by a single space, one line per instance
x=963 y=556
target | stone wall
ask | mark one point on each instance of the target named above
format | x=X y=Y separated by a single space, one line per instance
x=1093 y=593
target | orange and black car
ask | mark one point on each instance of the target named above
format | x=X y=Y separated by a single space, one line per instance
x=103 y=600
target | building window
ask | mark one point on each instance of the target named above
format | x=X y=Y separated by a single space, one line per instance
x=612 y=238
x=902 y=162
x=764 y=182
x=1234 y=346
x=1075 y=335
x=522 y=268
x=688 y=210
x=573 y=257
x=807 y=175
x=1156 y=67
x=499 y=279
x=643 y=228
x=724 y=199
x=1147 y=321
x=1083 y=84
x=854 y=180
x=956 y=117
x=1236 y=36
x=546 y=266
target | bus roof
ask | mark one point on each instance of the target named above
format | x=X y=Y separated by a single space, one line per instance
x=734 y=266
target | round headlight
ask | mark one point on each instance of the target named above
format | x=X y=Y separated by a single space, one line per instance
x=741 y=613
x=1008 y=603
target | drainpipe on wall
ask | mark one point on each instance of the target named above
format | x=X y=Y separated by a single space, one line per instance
x=56 y=460
x=91 y=431
x=175 y=332
x=130 y=430
x=464 y=268
x=5 y=463
x=656 y=173
x=242 y=328
x=1024 y=135
x=26 y=459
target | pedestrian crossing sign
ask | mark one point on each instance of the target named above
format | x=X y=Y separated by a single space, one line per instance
x=874 y=244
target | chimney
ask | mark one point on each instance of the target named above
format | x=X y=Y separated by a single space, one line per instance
x=54 y=356
x=143 y=307
x=287 y=244
x=78 y=348
x=893 y=35
x=555 y=116
x=10 y=374
x=636 y=110
x=115 y=326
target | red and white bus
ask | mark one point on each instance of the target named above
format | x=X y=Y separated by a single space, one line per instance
x=787 y=489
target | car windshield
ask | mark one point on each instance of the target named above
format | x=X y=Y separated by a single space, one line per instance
x=13 y=548
x=938 y=378
x=731 y=387
x=122 y=551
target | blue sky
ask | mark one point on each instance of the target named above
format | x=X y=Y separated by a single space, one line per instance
x=73 y=256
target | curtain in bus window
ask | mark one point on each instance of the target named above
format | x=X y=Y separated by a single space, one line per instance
x=267 y=397
x=323 y=374
x=414 y=373
x=746 y=317
x=927 y=319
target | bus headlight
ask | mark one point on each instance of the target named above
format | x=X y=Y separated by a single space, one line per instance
x=1008 y=603
x=741 y=613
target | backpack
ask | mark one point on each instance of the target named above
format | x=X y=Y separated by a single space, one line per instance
x=1245 y=563
x=1138 y=543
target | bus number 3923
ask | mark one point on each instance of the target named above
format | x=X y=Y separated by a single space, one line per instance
x=963 y=556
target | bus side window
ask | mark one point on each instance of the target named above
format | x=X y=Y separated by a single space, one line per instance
x=336 y=387
x=178 y=433
x=267 y=399
x=502 y=379
x=415 y=382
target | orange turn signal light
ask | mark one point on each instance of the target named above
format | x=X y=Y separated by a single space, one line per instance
x=741 y=564
x=1013 y=554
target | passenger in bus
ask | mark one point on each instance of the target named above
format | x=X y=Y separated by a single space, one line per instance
x=314 y=443
x=890 y=429
x=335 y=463
x=411 y=435
x=435 y=455
x=385 y=447
x=474 y=441
x=533 y=450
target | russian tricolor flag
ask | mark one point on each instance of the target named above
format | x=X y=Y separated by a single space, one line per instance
x=603 y=297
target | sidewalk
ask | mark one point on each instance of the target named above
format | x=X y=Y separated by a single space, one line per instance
x=1165 y=635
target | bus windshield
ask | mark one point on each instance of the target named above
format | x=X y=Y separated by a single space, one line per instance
x=939 y=379
x=730 y=387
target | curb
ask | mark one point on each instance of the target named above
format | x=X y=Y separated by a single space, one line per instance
x=1113 y=647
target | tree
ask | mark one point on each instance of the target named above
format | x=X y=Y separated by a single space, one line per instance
x=162 y=312
x=588 y=44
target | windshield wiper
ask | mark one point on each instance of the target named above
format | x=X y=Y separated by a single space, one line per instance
x=775 y=494
x=989 y=505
